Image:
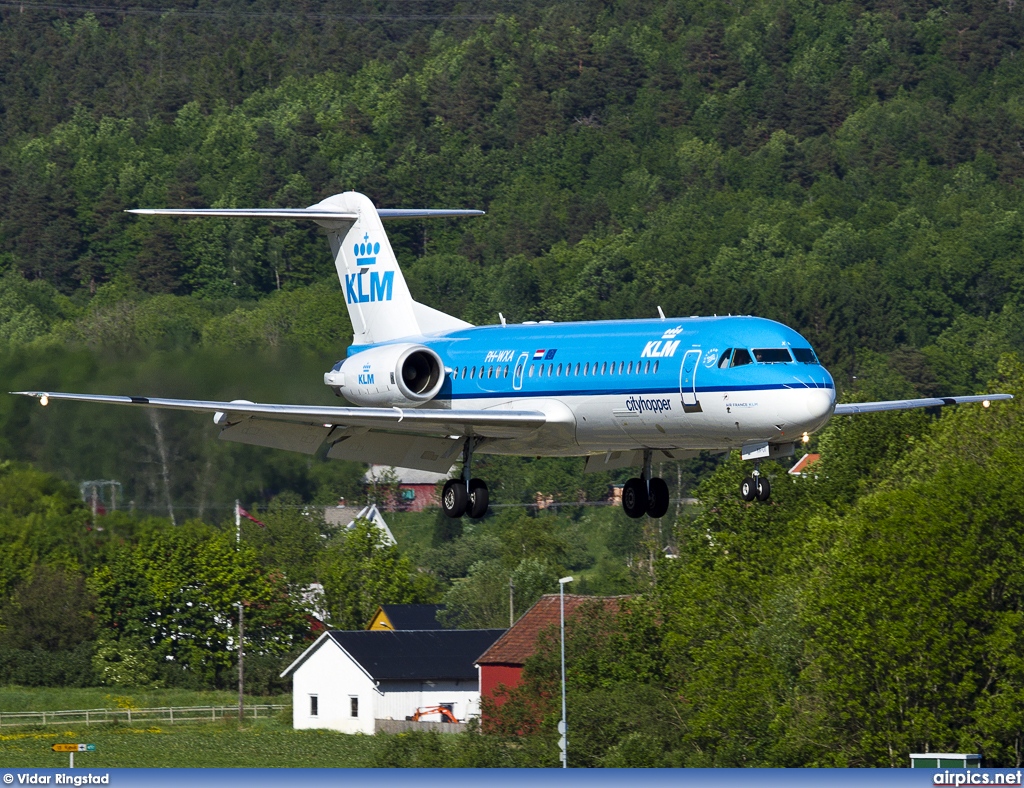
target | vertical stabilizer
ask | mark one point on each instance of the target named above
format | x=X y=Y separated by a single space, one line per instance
x=378 y=299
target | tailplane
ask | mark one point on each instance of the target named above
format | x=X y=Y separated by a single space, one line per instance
x=379 y=302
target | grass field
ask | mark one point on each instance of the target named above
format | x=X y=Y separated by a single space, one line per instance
x=221 y=744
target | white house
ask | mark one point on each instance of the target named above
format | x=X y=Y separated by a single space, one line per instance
x=346 y=681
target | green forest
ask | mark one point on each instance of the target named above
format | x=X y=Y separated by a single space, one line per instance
x=850 y=168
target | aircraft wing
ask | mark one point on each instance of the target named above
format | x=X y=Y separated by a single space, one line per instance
x=850 y=408
x=415 y=421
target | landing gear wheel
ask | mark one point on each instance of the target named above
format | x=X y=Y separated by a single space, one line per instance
x=657 y=498
x=748 y=489
x=634 y=498
x=478 y=498
x=764 y=488
x=454 y=499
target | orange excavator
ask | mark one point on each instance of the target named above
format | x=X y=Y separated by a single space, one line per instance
x=424 y=711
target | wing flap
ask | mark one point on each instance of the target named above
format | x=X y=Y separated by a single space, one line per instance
x=304 y=438
x=435 y=421
x=851 y=408
x=401 y=451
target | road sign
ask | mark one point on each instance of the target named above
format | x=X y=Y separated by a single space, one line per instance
x=74 y=748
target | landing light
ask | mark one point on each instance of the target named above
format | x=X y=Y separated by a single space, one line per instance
x=44 y=400
x=805 y=437
x=985 y=403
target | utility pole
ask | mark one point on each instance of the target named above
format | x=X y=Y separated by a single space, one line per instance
x=511 y=603
x=238 y=523
x=563 y=728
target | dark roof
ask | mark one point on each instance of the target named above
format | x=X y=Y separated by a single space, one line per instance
x=413 y=616
x=446 y=654
x=519 y=642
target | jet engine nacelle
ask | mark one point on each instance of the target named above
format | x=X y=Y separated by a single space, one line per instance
x=403 y=375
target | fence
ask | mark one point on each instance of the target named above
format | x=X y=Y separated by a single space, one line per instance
x=168 y=714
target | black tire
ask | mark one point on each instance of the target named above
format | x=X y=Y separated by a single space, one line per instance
x=748 y=489
x=634 y=498
x=454 y=499
x=657 y=498
x=478 y=498
x=764 y=488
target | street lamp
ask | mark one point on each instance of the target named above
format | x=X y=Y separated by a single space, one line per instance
x=563 y=743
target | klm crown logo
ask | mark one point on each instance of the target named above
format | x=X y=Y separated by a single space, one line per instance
x=672 y=333
x=363 y=289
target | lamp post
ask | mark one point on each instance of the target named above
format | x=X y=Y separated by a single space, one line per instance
x=563 y=742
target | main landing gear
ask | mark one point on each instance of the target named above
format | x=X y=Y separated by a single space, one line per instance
x=755 y=486
x=646 y=495
x=466 y=495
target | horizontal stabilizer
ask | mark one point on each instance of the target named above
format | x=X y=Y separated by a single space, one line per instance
x=309 y=214
x=850 y=408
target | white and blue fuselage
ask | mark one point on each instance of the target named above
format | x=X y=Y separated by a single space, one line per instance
x=689 y=384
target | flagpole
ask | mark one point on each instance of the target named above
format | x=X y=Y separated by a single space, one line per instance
x=238 y=523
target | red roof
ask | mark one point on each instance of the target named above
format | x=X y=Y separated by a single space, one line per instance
x=803 y=463
x=519 y=642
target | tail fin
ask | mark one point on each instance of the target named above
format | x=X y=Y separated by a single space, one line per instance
x=378 y=299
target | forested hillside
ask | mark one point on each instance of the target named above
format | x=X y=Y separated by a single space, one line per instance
x=850 y=168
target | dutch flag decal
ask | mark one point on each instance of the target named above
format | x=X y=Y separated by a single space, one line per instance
x=539 y=354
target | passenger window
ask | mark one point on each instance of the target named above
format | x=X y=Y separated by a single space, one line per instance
x=723 y=362
x=586 y=369
x=622 y=366
x=506 y=370
x=741 y=356
x=540 y=371
x=604 y=368
x=656 y=367
x=804 y=355
x=531 y=370
x=647 y=368
x=472 y=372
x=772 y=355
x=577 y=370
x=455 y=374
x=551 y=370
x=629 y=370
x=490 y=372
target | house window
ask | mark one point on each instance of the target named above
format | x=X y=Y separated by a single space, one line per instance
x=313 y=708
x=353 y=701
x=407 y=494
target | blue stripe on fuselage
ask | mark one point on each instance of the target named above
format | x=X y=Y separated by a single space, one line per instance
x=650 y=342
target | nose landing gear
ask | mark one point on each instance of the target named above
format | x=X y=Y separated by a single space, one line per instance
x=756 y=486
x=646 y=495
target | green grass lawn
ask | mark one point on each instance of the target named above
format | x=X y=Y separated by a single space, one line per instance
x=58 y=698
x=222 y=744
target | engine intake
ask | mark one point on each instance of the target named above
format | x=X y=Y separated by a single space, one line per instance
x=388 y=375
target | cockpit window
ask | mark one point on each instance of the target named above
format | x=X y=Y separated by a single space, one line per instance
x=772 y=355
x=723 y=362
x=741 y=356
x=804 y=355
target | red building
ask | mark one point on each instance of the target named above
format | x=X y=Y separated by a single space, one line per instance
x=502 y=663
x=410 y=490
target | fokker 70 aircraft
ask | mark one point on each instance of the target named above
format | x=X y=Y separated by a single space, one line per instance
x=431 y=388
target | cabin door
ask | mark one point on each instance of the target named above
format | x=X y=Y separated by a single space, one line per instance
x=688 y=377
x=517 y=375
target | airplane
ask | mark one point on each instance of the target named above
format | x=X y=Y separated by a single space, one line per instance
x=430 y=388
